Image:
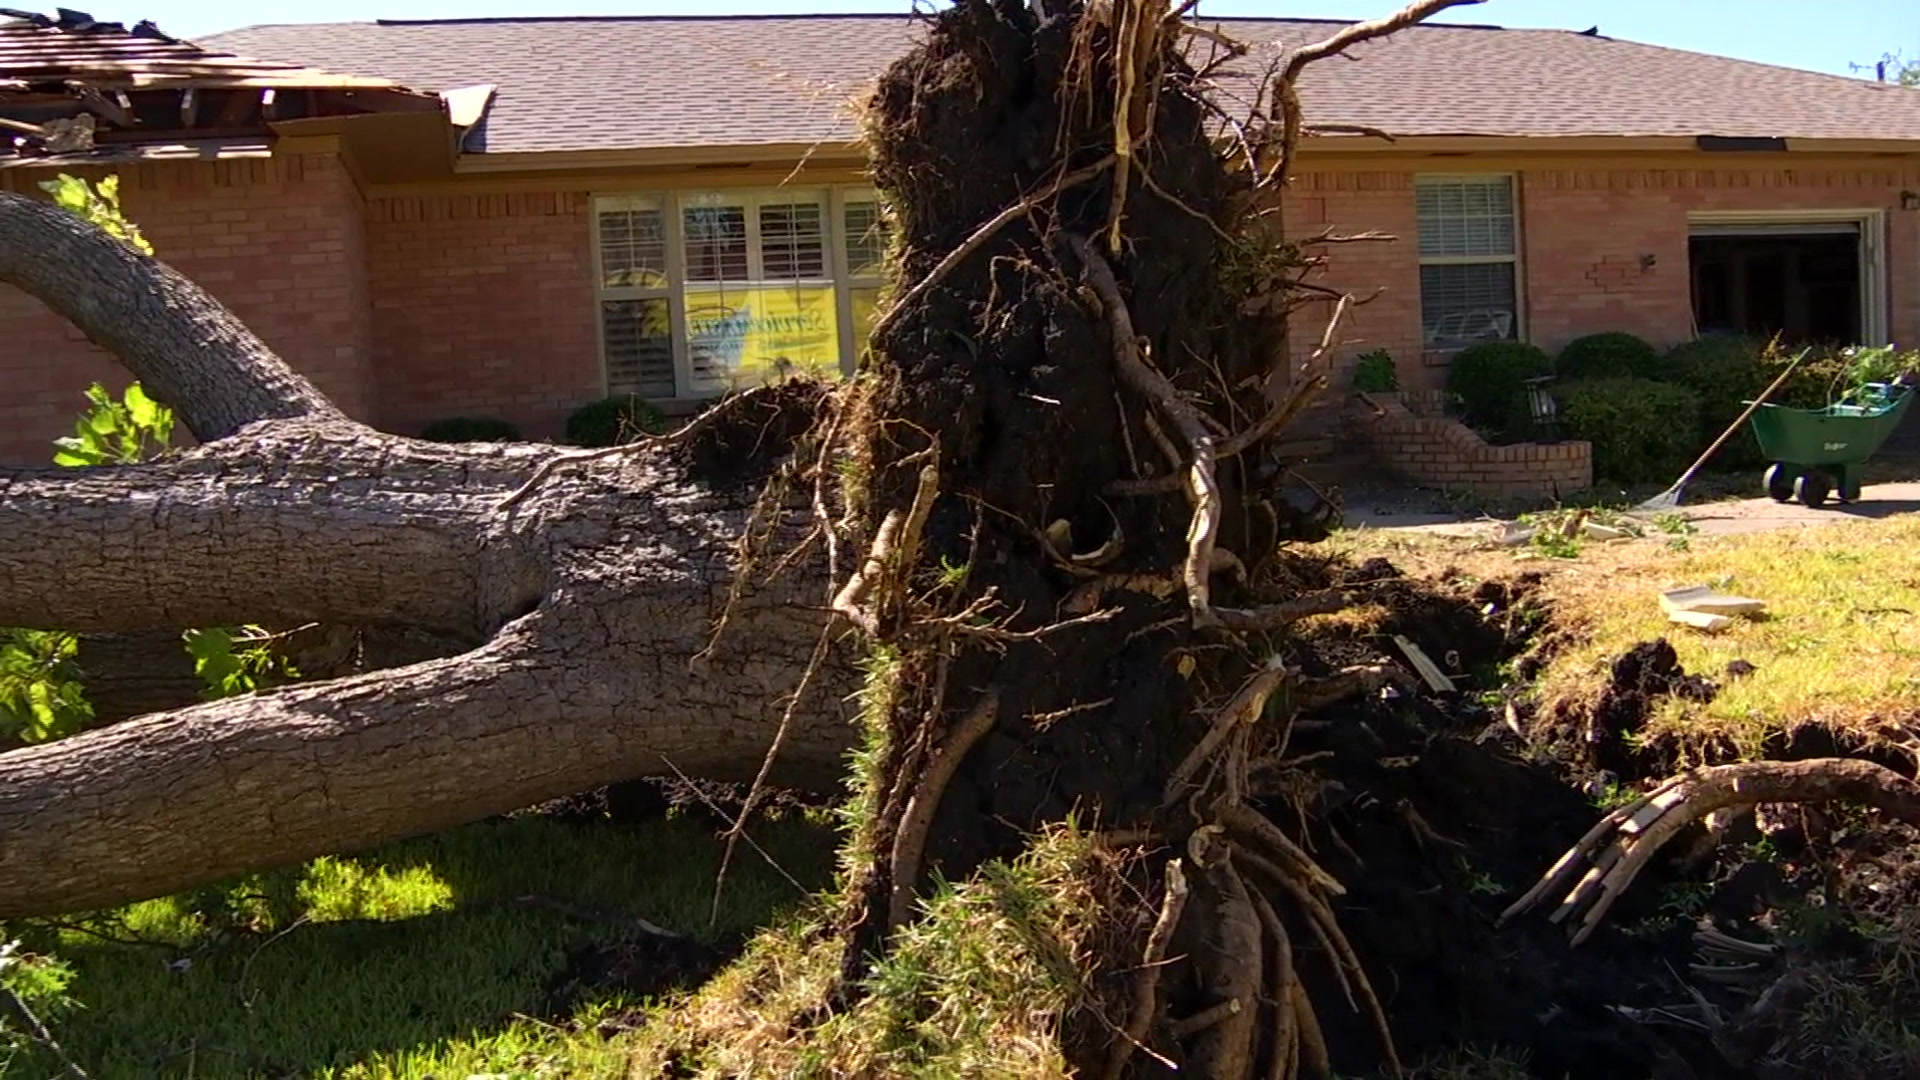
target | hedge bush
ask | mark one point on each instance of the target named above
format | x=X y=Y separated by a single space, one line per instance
x=1608 y=355
x=1725 y=372
x=1641 y=430
x=1490 y=382
x=469 y=429
x=1375 y=373
x=616 y=419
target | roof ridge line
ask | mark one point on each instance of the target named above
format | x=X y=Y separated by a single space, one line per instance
x=766 y=16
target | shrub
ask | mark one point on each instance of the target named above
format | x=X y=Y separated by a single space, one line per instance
x=612 y=420
x=1724 y=371
x=1490 y=381
x=1608 y=355
x=469 y=429
x=1640 y=429
x=1374 y=373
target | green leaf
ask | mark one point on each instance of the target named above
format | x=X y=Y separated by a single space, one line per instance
x=144 y=410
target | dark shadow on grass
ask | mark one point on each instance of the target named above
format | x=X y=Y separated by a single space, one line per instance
x=433 y=939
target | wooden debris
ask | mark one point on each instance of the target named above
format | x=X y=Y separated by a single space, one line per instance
x=1704 y=598
x=1436 y=679
x=1701 y=620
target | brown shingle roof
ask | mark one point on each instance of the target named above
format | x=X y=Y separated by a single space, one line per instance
x=616 y=83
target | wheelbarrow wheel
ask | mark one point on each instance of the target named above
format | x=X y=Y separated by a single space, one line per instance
x=1811 y=489
x=1779 y=481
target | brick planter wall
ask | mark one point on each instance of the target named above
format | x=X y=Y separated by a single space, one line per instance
x=1435 y=451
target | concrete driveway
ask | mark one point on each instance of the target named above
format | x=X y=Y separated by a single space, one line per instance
x=1760 y=515
x=1725 y=518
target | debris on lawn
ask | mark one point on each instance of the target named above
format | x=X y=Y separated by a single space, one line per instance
x=1436 y=679
x=1701 y=620
x=1705 y=608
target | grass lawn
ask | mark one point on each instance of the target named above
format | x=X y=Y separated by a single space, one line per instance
x=1839 y=644
x=417 y=960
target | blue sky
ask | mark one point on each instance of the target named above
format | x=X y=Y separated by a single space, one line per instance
x=1823 y=36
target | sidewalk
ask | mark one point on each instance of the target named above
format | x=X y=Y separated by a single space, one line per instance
x=1726 y=518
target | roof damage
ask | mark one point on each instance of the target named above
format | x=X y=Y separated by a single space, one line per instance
x=75 y=89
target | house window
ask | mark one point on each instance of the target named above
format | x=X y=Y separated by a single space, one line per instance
x=1469 y=259
x=703 y=293
x=863 y=239
x=636 y=325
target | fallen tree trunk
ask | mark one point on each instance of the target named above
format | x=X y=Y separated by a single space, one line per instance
x=588 y=599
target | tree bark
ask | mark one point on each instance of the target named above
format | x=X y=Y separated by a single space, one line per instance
x=589 y=598
x=598 y=683
x=290 y=522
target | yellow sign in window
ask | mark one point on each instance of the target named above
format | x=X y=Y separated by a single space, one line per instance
x=741 y=336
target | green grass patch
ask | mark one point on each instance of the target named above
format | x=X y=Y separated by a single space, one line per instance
x=418 y=959
x=1838 y=644
x=980 y=986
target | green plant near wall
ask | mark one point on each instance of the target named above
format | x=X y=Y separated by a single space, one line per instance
x=1640 y=429
x=1374 y=373
x=470 y=429
x=1608 y=355
x=1489 y=381
x=99 y=204
x=610 y=420
x=42 y=697
x=124 y=432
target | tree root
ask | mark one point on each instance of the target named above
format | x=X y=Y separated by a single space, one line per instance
x=1230 y=966
x=1314 y=1060
x=1246 y=707
x=1284 y=1055
x=1146 y=981
x=1203 y=486
x=1616 y=849
x=979 y=237
x=910 y=842
x=1272 y=617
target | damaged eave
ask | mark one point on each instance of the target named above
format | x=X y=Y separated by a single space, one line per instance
x=71 y=86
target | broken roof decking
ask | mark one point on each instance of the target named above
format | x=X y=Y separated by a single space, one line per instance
x=603 y=84
x=35 y=51
x=75 y=90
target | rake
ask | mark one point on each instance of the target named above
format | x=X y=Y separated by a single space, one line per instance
x=1670 y=498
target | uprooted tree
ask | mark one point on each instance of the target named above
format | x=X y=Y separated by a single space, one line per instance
x=1037 y=517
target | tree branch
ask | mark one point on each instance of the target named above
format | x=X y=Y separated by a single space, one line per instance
x=573 y=696
x=186 y=348
x=278 y=525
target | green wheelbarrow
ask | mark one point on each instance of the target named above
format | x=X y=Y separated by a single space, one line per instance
x=1818 y=452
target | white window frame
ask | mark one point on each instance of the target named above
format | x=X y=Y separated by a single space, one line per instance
x=1516 y=260
x=602 y=292
x=833 y=200
x=843 y=274
x=1875 y=290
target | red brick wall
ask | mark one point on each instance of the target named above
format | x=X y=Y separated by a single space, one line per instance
x=483 y=305
x=278 y=240
x=1441 y=453
x=1383 y=274
x=1585 y=233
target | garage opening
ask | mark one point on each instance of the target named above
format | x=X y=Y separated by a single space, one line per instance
x=1806 y=282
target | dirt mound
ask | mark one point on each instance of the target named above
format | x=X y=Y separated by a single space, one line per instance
x=1638 y=680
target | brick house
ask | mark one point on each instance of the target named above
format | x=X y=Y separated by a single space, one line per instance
x=596 y=205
